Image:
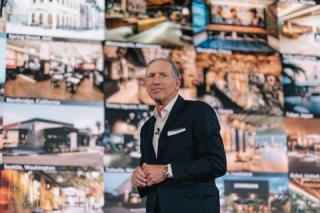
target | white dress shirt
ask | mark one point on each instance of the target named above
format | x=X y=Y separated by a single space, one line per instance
x=161 y=119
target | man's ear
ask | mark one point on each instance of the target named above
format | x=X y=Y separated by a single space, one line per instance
x=178 y=82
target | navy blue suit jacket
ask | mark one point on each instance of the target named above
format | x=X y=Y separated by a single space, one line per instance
x=196 y=154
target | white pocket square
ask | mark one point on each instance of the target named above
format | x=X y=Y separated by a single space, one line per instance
x=176 y=131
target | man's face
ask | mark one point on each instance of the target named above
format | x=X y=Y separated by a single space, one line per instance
x=252 y=15
x=234 y=13
x=160 y=82
x=218 y=9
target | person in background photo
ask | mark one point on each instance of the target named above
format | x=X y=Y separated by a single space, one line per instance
x=181 y=148
x=217 y=17
x=234 y=18
x=255 y=20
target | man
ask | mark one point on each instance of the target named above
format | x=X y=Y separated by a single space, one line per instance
x=181 y=149
x=217 y=17
x=234 y=18
x=255 y=20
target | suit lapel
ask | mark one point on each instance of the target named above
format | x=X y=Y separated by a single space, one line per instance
x=149 y=146
x=170 y=121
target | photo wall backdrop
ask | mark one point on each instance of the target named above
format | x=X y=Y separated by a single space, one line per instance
x=73 y=98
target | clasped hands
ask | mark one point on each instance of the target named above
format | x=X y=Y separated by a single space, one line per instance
x=148 y=175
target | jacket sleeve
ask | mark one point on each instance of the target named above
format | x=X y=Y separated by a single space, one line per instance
x=210 y=161
x=142 y=191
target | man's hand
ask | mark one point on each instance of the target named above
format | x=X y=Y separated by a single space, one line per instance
x=154 y=173
x=138 y=178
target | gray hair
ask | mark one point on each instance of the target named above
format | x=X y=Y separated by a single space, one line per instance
x=175 y=71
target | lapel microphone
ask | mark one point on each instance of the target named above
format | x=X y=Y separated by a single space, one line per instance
x=157 y=131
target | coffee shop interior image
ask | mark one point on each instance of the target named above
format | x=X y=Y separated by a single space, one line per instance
x=73 y=99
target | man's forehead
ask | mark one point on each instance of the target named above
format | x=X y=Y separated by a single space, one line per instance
x=159 y=66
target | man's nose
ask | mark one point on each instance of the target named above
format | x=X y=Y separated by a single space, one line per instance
x=156 y=79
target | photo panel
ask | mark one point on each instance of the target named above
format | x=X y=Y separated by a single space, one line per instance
x=121 y=139
x=52 y=134
x=1 y=136
x=125 y=69
x=254 y=143
x=304 y=194
x=303 y=147
x=65 y=71
x=241 y=83
x=165 y=22
x=76 y=19
x=235 y=25
x=34 y=188
x=301 y=86
x=239 y=15
x=259 y=193
x=3 y=41
x=119 y=193
x=299 y=28
x=301 y=1
x=3 y=16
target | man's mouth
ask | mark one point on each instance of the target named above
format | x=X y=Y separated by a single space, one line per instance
x=156 y=90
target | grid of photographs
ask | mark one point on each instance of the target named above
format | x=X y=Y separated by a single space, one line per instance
x=240 y=82
x=121 y=139
x=257 y=193
x=2 y=62
x=73 y=98
x=51 y=189
x=303 y=147
x=165 y=22
x=304 y=194
x=3 y=16
x=77 y=19
x=299 y=28
x=54 y=70
x=1 y=136
x=32 y=135
x=304 y=161
x=125 y=70
x=119 y=193
x=313 y=2
x=236 y=25
x=255 y=144
x=301 y=84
